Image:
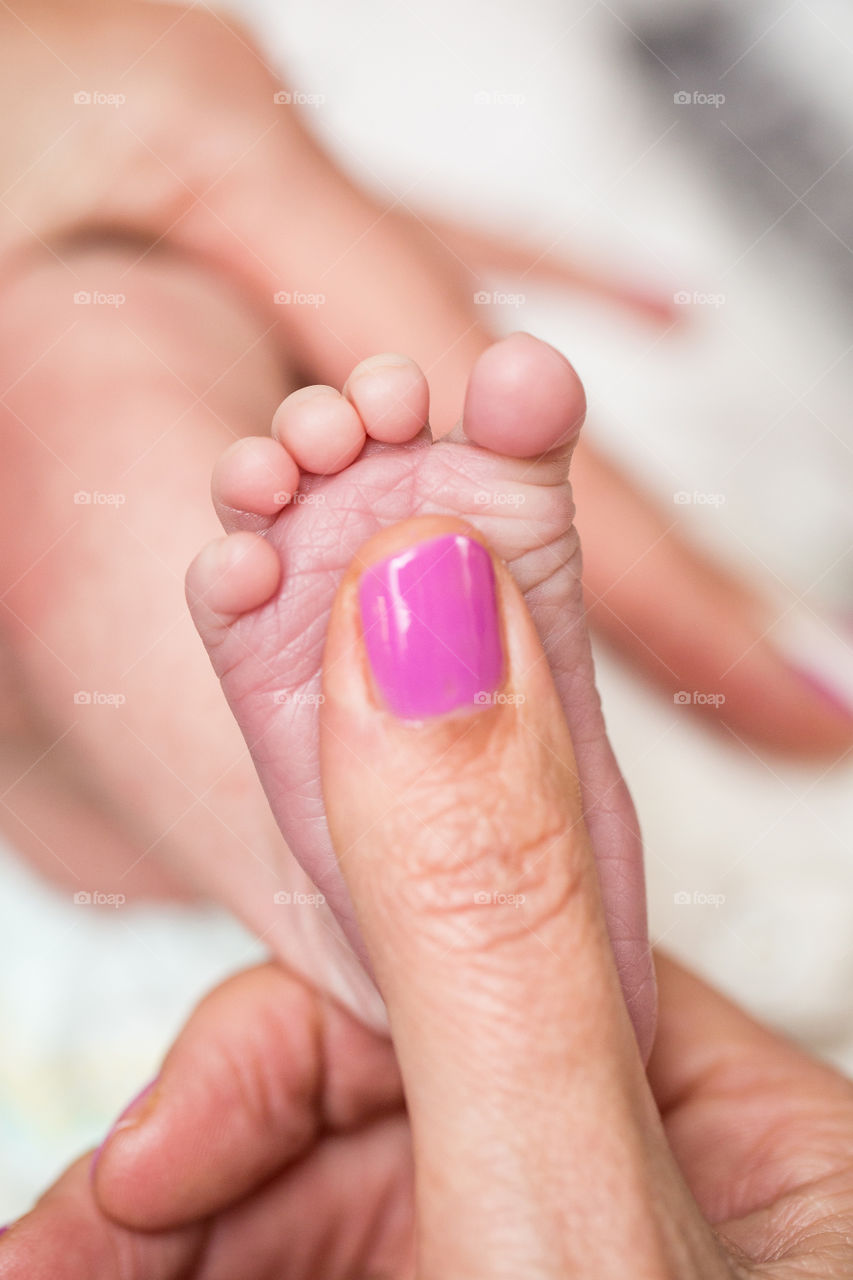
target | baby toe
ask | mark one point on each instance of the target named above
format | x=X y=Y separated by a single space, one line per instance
x=391 y=395
x=252 y=480
x=228 y=578
x=320 y=429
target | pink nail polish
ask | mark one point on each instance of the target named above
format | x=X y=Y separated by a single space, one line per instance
x=820 y=651
x=825 y=691
x=431 y=627
x=127 y=1118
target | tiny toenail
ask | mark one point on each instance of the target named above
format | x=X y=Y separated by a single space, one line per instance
x=387 y=359
x=431 y=627
x=312 y=393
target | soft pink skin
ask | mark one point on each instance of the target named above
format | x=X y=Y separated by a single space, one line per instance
x=269 y=657
x=121 y=1122
x=320 y=429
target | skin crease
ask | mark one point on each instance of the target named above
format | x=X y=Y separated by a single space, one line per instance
x=531 y=841
x=149 y=172
x=58 y=208
x=200 y=157
x=267 y=649
x=277 y=1133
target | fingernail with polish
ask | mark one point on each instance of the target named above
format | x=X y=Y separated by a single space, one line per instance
x=431 y=627
x=130 y=1116
x=821 y=654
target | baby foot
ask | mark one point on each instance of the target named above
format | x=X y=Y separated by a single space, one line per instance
x=338 y=467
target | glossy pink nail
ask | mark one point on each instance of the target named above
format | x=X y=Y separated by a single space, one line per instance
x=431 y=627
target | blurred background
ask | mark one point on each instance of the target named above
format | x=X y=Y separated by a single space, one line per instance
x=701 y=152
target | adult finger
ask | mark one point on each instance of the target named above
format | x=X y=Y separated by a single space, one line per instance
x=692 y=627
x=263 y=1067
x=453 y=802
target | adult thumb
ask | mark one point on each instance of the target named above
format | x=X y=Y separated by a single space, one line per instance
x=453 y=801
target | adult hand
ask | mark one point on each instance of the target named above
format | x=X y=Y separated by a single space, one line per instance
x=275 y=1143
x=194 y=153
